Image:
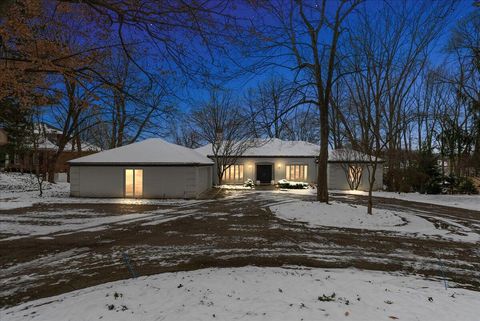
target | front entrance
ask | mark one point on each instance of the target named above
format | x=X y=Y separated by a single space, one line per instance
x=264 y=174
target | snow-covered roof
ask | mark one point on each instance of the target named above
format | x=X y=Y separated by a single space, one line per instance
x=280 y=148
x=273 y=148
x=150 y=151
x=47 y=144
x=46 y=128
x=349 y=155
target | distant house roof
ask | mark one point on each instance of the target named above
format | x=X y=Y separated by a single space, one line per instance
x=349 y=155
x=153 y=151
x=46 y=144
x=280 y=148
x=273 y=148
x=46 y=128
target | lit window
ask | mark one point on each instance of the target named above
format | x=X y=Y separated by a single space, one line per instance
x=296 y=172
x=133 y=182
x=233 y=173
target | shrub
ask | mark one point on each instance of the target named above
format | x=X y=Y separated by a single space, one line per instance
x=283 y=183
x=249 y=183
x=466 y=186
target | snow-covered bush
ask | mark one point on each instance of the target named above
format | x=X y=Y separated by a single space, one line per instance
x=249 y=183
x=283 y=183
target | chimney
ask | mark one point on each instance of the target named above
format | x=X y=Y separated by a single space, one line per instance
x=218 y=135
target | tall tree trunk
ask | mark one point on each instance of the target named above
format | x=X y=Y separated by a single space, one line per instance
x=322 y=180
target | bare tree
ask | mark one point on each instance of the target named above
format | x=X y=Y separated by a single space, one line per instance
x=222 y=123
x=270 y=107
x=352 y=163
x=308 y=32
x=37 y=137
x=387 y=53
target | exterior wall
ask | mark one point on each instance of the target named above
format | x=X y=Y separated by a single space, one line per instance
x=158 y=181
x=204 y=179
x=278 y=165
x=338 y=181
x=336 y=175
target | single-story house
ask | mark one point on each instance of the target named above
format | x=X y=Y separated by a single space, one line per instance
x=152 y=168
x=269 y=161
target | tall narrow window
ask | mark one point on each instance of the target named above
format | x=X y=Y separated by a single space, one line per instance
x=138 y=183
x=233 y=173
x=296 y=172
x=133 y=182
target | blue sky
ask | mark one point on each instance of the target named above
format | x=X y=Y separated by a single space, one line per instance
x=240 y=84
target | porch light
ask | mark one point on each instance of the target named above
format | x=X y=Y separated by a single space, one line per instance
x=279 y=165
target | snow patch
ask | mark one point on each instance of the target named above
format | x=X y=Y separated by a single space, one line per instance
x=253 y=293
x=343 y=215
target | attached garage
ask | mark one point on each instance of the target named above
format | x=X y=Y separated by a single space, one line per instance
x=152 y=168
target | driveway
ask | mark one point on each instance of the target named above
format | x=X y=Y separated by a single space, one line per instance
x=235 y=228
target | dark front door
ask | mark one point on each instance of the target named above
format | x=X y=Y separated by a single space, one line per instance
x=264 y=173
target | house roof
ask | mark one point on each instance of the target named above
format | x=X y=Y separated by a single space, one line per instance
x=280 y=148
x=349 y=155
x=47 y=144
x=273 y=148
x=152 y=151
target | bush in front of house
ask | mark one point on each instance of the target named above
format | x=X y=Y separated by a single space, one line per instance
x=249 y=183
x=283 y=183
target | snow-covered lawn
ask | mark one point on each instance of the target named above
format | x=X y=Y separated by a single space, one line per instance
x=342 y=215
x=253 y=293
x=43 y=224
x=469 y=202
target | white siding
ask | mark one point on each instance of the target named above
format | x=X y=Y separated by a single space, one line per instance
x=336 y=175
x=337 y=179
x=158 y=181
x=279 y=171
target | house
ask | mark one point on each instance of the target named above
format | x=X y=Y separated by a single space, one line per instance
x=24 y=158
x=152 y=168
x=269 y=161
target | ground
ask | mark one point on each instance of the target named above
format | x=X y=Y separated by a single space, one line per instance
x=56 y=245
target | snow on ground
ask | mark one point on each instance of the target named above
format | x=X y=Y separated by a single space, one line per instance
x=41 y=224
x=233 y=186
x=254 y=293
x=344 y=215
x=469 y=202
x=21 y=190
x=62 y=222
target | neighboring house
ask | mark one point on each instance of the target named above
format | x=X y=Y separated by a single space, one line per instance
x=152 y=168
x=272 y=160
x=23 y=159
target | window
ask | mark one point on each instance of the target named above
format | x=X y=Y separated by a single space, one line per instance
x=296 y=172
x=133 y=182
x=233 y=173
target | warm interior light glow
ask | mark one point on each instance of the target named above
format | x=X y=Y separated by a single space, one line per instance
x=138 y=182
x=250 y=166
x=296 y=172
x=129 y=183
x=279 y=165
x=232 y=173
x=134 y=183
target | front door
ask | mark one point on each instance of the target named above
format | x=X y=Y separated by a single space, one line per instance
x=264 y=174
x=134 y=183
